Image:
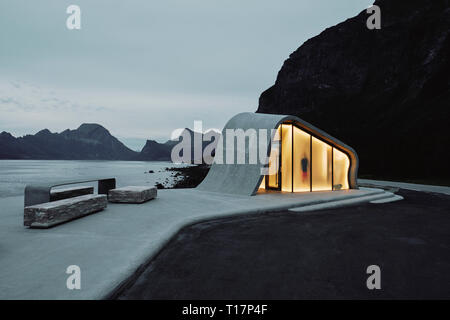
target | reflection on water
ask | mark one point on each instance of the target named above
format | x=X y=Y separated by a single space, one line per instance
x=16 y=174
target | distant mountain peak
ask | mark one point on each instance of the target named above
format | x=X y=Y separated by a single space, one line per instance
x=5 y=134
x=43 y=132
x=89 y=127
x=151 y=142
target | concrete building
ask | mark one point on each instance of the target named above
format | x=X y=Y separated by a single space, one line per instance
x=261 y=152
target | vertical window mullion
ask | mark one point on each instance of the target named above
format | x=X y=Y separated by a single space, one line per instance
x=292 y=158
x=310 y=163
x=332 y=168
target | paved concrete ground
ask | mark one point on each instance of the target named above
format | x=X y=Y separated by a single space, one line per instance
x=109 y=246
x=323 y=254
x=404 y=185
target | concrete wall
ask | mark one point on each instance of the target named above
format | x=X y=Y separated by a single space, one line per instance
x=244 y=179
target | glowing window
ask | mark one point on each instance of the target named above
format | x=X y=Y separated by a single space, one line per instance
x=341 y=164
x=321 y=165
x=263 y=183
x=272 y=180
x=302 y=161
x=306 y=163
x=286 y=157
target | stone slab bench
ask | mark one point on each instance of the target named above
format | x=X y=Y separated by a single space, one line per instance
x=64 y=193
x=41 y=192
x=49 y=214
x=132 y=194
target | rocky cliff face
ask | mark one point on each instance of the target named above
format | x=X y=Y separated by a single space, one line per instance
x=88 y=142
x=384 y=92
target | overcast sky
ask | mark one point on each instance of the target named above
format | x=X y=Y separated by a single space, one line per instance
x=144 y=68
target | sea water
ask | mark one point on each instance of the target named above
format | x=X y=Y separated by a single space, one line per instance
x=16 y=174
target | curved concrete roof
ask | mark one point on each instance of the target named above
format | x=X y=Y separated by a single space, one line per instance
x=244 y=179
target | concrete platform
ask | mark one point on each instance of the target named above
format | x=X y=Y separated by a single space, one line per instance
x=403 y=185
x=372 y=198
x=111 y=245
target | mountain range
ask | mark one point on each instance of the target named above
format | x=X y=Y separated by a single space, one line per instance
x=90 y=141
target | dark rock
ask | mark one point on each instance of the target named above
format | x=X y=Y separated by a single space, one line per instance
x=159 y=185
x=189 y=177
x=384 y=92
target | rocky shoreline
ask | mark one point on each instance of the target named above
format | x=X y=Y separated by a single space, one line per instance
x=186 y=177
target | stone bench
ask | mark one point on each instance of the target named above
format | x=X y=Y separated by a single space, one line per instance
x=37 y=193
x=64 y=193
x=132 y=194
x=49 y=214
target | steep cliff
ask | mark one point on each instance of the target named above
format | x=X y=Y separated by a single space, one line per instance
x=384 y=92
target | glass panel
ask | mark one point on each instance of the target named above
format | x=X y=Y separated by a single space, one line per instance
x=321 y=165
x=263 y=183
x=286 y=157
x=341 y=164
x=302 y=160
x=274 y=161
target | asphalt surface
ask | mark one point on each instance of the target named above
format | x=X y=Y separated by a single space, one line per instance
x=317 y=255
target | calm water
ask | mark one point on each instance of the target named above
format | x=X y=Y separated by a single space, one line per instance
x=16 y=174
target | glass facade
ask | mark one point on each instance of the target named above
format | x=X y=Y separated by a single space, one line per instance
x=286 y=157
x=341 y=165
x=306 y=163
x=263 y=183
x=302 y=160
x=321 y=165
x=274 y=162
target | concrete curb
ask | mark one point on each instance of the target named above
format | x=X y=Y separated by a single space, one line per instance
x=403 y=185
x=343 y=203
x=387 y=200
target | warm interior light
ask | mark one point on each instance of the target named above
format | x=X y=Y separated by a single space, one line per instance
x=302 y=160
x=263 y=183
x=326 y=168
x=341 y=164
x=286 y=157
x=321 y=165
x=274 y=161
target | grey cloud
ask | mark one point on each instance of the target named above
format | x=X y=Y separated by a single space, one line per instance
x=228 y=48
